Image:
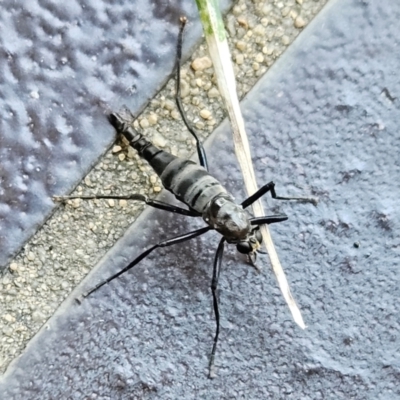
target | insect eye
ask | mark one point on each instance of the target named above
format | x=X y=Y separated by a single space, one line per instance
x=243 y=247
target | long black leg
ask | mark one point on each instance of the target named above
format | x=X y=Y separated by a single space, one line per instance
x=270 y=187
x=268 y=219
x=164 y=243
x=214 y=286
x=200 y=149
x=139 y=197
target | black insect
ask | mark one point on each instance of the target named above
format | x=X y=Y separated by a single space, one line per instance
x=204 y=195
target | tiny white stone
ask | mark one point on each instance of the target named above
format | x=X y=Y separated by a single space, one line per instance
x=239 y=59
x=159 y=140
x=13 y=267
x=153 y=118
x=213 y=92
x=299 y=22
x=144 y=123
x=205 y=114
x=169 y=105
x=241 y=45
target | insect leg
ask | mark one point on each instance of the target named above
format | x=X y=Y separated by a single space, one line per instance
x=164 y=243
x=268 y=219
x=200 y=149
x=270 y=187
x=139 y=197
x=214 y=286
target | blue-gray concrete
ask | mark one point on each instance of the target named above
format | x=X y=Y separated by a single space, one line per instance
x=63 y=67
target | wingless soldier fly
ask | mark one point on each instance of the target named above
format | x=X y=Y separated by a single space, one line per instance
x=204 y=195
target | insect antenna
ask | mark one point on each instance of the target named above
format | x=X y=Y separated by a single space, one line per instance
x=200 y=149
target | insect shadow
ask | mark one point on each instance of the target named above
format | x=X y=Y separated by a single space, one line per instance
x=203 y=195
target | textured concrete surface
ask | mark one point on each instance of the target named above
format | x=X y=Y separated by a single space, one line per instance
x=56 y=259
x=324 y=120
x=63 y=68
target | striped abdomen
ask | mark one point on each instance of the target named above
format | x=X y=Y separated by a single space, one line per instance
x=188 y=181
x=191 y=183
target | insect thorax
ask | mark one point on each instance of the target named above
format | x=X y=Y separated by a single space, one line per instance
x=228 y=218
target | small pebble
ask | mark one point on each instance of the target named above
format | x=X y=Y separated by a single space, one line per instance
x=259 y=58
x=30 y=256
x=157 y=189
x=152 y=118
x=285 y=11
x=8 y=331
x=200 y=125
x=241 y=45
x=239 y=59
x=242 y=22
x=144 y=123
x=259 y=30
x=123 y=203
x=169 y=105
x=159 y=140
x=9 y=318
x=207 y=86
x=175 y=114
x=153 y=178
x=88 y=182
x=13 y=267
x=64 y=284
x=299 y=22
x=205 y=114
x=116 y=149
x=213 y=92
x=285 y=40
x=111 y=202
x=294 y=14
x=131 y=152
x=236 y=10
x=202 y=63
x=185 y=89
x=37 y=316
x=268 y=50
x=121 y=157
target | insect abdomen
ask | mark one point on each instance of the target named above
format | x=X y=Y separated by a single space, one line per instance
x=188 y=181
x=191 y=183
